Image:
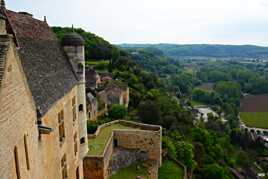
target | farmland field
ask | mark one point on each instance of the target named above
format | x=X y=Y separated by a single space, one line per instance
x=255 y=103
x=255 y=119
x=254 y=111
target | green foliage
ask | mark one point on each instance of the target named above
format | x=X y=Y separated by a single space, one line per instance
x=170 y=170
x=185 y=153
x=174 y=50
x=211 y=98
x=243 y=160
x=117 y=112
x=213 y=171
x=149 y=112
x=229 y=90
x=168 y=145
x=96 y=47
x=91 y=127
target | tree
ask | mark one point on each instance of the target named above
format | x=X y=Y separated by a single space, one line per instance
x=168 y=145
x=117 y=112
x=185 y=153
x=213 y=171
x=149 y=112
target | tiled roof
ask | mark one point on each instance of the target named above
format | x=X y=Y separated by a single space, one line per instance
x=48 y=71
x=3 y=50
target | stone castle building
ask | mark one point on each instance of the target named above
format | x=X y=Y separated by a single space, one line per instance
x=42 y=100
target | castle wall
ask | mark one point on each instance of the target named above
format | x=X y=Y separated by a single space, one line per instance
x=52 y=149
x=17 y=119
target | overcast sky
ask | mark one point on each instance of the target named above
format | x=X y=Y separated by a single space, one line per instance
x=158 y=21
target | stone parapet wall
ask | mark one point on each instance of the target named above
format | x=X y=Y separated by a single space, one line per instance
x=139 y=126
x=145 y=138
x=96 y=166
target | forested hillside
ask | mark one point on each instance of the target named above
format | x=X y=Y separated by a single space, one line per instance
x=96 y=47
x=204 y=50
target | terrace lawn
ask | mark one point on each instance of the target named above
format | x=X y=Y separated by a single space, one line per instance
x=131 y=173
x=96 y=146
x=170 y=170
x=255 y=119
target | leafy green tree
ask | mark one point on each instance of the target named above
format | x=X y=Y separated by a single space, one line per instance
x=168 y=145
x=149 y=112
x=117 y=112
x=213 y=171
x=185 y=153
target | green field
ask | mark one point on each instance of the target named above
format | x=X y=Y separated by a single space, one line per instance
x=94 y=62
x=96 y=146
x=255 y=119
x=170 y=170
x=131 y=173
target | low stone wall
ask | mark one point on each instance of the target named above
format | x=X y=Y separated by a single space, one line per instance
x=122 y=158
x=145 y=139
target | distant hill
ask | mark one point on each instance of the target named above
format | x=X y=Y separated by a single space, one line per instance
x=204 y=50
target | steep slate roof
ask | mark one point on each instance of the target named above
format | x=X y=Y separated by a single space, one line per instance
x=3 y=51
x=48 y=71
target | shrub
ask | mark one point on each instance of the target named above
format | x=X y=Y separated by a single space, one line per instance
x=117 y=112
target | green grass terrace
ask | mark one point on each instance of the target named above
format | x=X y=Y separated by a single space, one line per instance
x=97 y=145
x=255 y=119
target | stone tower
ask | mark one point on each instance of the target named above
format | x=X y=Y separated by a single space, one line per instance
x=73 y=45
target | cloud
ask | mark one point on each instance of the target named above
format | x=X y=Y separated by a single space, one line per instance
x=264 y=3
x=155 y=21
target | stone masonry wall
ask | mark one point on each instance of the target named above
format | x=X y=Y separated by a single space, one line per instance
x=17 y=119
x=146 y=141
x=52 y=149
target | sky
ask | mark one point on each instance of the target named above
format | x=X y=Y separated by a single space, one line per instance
x=236 y=22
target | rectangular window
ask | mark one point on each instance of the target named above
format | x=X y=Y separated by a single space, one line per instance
x=77 y=173
x=75 y=145
x=64 y=172
x=74 y=108
x=61 y=126
x=17 y=165
x=26 y=152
